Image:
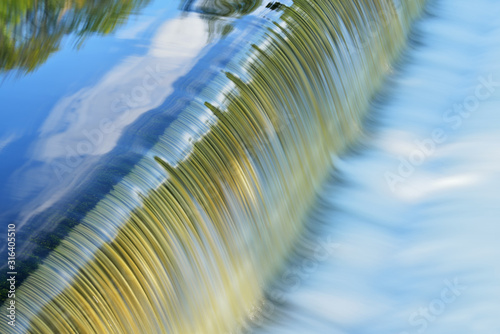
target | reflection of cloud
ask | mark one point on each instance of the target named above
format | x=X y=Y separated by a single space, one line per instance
x=7 y=140
x=133 y=31
x=75 y=119
x=180 y=38
x=130 y=89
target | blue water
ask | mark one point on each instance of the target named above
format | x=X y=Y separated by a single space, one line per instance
x=58 y=121
x=403 y=239
x=410 y=217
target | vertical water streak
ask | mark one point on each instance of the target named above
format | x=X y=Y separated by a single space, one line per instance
x=187 y=240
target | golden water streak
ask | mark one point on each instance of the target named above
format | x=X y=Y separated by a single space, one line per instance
x=199 y=245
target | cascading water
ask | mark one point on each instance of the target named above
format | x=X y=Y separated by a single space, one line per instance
x=189 y=238
x=413 y=210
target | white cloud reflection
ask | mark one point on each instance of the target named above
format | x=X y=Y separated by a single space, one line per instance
x=89 y=122
x=137 y=85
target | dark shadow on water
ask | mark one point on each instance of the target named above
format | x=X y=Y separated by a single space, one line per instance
x=226 y=8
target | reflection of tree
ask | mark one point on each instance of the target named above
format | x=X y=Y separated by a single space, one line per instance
x=219 y=13
x=221 y=7
x=31 y=30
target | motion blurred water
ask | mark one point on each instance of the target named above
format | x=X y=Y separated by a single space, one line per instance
x=170 y=174
x=413 y=210
x=160 y=184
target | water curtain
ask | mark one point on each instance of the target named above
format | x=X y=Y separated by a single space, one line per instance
x=188 y=240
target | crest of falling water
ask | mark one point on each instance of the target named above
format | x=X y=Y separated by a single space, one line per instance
x=187 y=241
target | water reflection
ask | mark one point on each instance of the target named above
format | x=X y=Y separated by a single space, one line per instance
x=61 y=122
x=87 y=123
x=220 y=14
x=228 y=8
x=90 y=121
x=32 y=30
x=74 y=126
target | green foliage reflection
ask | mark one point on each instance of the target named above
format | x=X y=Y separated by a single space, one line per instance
x=225 y=8
x=31 y=30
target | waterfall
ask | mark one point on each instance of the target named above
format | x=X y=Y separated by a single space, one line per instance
x=187 y=241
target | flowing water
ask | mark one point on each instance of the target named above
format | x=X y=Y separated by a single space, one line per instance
x=206 y=216
x=410 y=217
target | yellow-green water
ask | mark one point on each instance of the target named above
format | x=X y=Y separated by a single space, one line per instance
x=188 y=240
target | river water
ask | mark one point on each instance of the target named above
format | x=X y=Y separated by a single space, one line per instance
x=411 y=215
x=241 y=166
